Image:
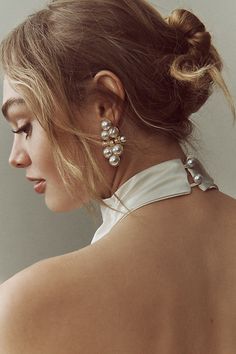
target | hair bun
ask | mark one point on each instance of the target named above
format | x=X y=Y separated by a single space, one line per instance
x=191 y=29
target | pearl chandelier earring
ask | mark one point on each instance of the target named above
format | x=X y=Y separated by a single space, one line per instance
x=112 y=142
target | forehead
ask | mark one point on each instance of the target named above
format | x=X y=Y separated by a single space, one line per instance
x=8 y=90
x=12 y=100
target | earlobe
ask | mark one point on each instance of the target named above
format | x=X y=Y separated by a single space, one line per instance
x=111 y=82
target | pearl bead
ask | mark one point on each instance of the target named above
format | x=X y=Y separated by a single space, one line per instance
x=191 y=162
x=117 y=149
x=113 y=132
x=106 y=124
x=107 y=152
x=123 y=139
x=105 y=135
x=114 y=160
x=198 y=179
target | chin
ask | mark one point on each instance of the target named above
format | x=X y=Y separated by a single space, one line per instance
x=61 y=206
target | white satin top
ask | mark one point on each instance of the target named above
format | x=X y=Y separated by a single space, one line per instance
x=162 y=181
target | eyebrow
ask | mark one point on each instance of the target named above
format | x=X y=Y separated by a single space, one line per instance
x=9 y=103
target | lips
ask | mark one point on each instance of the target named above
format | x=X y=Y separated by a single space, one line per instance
x=40 y=186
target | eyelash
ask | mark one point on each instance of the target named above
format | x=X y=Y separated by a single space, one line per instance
x=27 y=128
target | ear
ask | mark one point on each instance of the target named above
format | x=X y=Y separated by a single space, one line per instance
x=110 y=81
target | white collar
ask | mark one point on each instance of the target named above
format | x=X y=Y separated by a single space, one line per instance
x=161 y=181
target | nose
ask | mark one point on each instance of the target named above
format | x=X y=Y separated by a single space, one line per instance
x=18 y=158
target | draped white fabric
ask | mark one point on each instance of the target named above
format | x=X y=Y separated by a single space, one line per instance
x=162 y=181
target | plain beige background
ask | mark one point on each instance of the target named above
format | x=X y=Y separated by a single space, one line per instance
x=29 y=231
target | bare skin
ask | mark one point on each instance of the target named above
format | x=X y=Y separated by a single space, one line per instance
x=147 y=287
x=174 y=293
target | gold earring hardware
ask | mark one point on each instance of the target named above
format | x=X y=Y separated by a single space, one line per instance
x=112 y=142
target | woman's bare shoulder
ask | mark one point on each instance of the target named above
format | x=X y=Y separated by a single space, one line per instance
x=19 y=297
x=78 y=292
x=43 y=299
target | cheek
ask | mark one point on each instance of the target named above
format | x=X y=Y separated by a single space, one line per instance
x=47 y=164
x=41 y=149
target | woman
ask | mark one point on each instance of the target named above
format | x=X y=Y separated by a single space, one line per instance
x=99 y=96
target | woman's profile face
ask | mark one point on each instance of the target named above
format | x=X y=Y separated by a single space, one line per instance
x=32 y=151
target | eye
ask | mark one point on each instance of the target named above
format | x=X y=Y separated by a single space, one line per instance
x=26 y=129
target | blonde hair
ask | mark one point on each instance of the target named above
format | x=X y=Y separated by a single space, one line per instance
x=168 y=67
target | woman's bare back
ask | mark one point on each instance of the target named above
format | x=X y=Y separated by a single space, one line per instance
x=163 y=281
